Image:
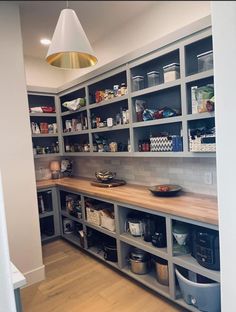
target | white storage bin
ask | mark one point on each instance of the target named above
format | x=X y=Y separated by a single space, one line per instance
x=171 y=72
x=205 y=297
x=153 y=78
x=138 y=83
x=205 y=61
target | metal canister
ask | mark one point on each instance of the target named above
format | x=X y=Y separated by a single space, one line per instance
x=162 y=273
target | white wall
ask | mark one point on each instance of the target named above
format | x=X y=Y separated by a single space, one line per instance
x=224 y=46
x=16 y=158
x=39 y=73
x=162 y=18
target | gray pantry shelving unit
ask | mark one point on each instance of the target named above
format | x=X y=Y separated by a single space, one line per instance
x=125 y=242
x=175 y=94
x=49 y=219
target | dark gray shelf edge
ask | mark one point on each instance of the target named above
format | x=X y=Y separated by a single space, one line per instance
x=46 y=214
x=100 y=229
x=157 y=88
x=190 y=117
x=153 y=250
x=47 y=135
x=68 y=113
x=68 y=238
x=49 y=238
x=66 y=134
x=157 y=122
x=113 y=264
x=197 y=268
x=65 y=214
x=48 y=155
x=157 y=288
x=108 y=102
x=54 y=115
x=199 y=76
x=106 y=129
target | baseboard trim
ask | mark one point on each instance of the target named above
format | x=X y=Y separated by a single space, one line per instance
x=35 y=276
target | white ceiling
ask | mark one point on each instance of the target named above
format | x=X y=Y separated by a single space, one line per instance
x=98 y=18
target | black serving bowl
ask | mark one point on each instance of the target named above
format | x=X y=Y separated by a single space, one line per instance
x=173 y=190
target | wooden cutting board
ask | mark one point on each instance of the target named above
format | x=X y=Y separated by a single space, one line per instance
x=112 y=183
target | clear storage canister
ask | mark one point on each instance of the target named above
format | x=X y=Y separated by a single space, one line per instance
x=138 y=83
x=171 y=72
x=205 y=61
x=153 y=78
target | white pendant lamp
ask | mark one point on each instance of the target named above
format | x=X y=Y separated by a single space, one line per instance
x=70 y=47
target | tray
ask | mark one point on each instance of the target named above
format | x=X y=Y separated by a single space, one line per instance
x=112 y=183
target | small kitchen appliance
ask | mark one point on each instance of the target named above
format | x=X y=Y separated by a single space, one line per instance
x=206 y=248
x=181 y=234
x=134 y=226
x=149 y=226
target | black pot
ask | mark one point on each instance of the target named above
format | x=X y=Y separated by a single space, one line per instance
x=110 y=253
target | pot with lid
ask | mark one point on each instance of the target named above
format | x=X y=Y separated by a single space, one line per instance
x=139 y=261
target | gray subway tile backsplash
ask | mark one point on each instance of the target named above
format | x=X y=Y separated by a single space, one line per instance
x=187 y=172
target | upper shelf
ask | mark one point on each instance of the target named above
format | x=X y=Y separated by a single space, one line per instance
x=108 y=102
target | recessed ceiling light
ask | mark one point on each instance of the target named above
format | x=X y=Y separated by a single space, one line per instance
x=45 y=41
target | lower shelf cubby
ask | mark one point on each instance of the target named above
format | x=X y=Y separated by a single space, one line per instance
x=102 y=246
x=145 y=268
x=196 y=292
x=47 y=229
x=73 y=231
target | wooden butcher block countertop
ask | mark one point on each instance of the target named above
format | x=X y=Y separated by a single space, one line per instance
x=188 y=205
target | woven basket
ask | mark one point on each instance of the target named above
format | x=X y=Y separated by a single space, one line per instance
x=196 y=145
x=108 y=223
x=93 y=216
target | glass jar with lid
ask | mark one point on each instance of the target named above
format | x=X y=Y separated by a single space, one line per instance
x=137 y=83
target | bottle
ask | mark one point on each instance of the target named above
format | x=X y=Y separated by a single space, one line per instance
x=140 y=146
x=124 y=120
x=123 y=88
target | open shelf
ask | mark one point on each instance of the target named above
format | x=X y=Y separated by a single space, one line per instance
x=46 y=214
x=140 y=243
x=113 y=128
x=45 y=135
x=148 y=280
x=68 y=113
x=67 y=215
x=72 y=238
x=53 y=115
x=100 y=229
x=75 y=133
x=188 y=262
x=97 y=252
x=109 y=102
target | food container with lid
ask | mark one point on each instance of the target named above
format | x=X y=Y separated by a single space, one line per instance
x=162 y=273
x=139 y=261
x=137 y=83
x=153 y=78
x=205 y=61
x=171 y=72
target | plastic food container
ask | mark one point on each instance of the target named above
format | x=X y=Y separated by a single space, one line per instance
x=138 y=83
x=153 y=78
x=171 y=72
x=205 y=61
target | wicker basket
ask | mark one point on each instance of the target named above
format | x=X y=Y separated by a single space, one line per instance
x=108 y=223
x=196 y=145
x=93 y=216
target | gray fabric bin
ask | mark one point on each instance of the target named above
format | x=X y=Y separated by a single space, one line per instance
x=205 y=297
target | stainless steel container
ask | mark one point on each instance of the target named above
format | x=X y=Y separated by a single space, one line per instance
x=139 y=267
x=162 y=273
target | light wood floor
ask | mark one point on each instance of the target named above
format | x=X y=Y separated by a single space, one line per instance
x=76 y=282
